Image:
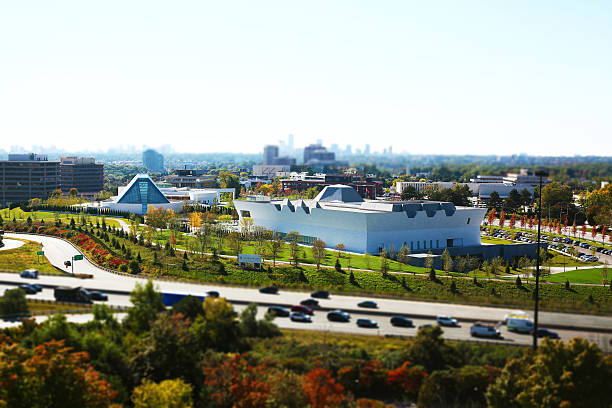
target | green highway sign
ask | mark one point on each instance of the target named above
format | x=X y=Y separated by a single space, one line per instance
x=40 y=253
x=77 y=257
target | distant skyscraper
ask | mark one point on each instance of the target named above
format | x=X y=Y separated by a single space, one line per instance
x=270 y=153
x=290 y=142
x=316 y=153
x=367 y=149
x=153 y=161
x=390 y=149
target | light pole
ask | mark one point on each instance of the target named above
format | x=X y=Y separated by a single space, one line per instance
x=540 y=174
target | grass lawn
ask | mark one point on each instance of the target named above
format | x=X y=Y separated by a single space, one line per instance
x=592 y=275
x=24 y=257
x=491 y=240
x=50 y=217
x=36 y=307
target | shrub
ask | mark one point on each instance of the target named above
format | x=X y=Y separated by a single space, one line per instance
x=123 y=268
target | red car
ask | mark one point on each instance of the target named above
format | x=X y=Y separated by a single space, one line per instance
x=302 y=309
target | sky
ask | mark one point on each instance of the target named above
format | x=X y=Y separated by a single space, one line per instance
x=447 y=77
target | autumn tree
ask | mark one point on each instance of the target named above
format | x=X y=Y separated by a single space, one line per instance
x=322 y=390
x=195 y=220
x=318 y=252
x=558 y=374
x=50 y=376
x=340 y=248
x=275 y=245
x=166 y=394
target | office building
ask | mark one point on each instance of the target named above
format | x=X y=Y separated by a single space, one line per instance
x=84 y=174
x=191 y=179
x=270 y=154
x=153 y=161
x=27 y=176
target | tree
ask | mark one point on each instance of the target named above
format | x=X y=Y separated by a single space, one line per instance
x=73 y=192
x=14 y=302
x=51 y=376
x=322 y=390
x=340 y=248
x=403 y=255
x=275 y=244
x=293 y=237
x=604 y=273
x=195 y=220
x=318 y=252
x=228 y=180
x=134 y=267
x=513 y=201
x=447 y=261
x=147 y=303
x=558 y=374
x=494 y=200
x=429 y=261
x=411 y=193
x=525 y=197
x=384 y=262
x=246 y=225
x=251 y=327
x=166 y=394
x=218 y=327
x=158 y=218
x=235 y=242
x=286 y=390
x=430 y=350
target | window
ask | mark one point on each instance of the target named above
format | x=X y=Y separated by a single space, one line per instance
x=449 y=243
x=418 y=244
x=431 y=243
x=411 y=245
x=424 y=244
x=468 y=221
x=437 y=243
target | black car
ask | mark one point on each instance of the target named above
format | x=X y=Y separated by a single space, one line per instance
x=97 y=295
x=310 y=302
x=369 y=323
x=28 y=289
x=37 y=286
x=401 y=321
x=269 y=289
x=278 y=311
x=321 y=294
x=338 y=316
x=547 y=333
x=213 y=293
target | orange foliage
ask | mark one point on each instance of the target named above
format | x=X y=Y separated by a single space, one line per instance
x=322 y=390
x=235 y=383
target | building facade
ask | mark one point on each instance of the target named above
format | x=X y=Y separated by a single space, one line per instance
x=84 y=174
x=27 y=176
x=153 y=161
x=339 y=215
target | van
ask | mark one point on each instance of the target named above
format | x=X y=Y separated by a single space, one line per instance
x=480 y=329
x=520 y=325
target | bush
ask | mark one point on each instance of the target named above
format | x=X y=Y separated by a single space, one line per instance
x=519 y=283
x=567 y=284
x=134 y=266
x=432 y=274
x=123 y=268
x=338 y=266
x=13 y=302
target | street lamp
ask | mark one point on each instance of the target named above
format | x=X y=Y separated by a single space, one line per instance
x=539 y=174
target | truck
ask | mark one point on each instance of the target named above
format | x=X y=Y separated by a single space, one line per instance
x=67 y=294
x=170 y=299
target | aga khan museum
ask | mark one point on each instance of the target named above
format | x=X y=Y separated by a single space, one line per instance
x=339 y=215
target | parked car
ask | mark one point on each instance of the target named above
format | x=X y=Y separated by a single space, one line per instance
x=447 y=321
x=29 y=273
x=300 y=317
x=401 y=321
x=320 y=294
x=546 y=333
x=310 y=302
x=480 y=329
x=301 y=309
x=28 y=289
x=338 y=316
x=273 y=290
x=369 y=323
x=97 y=295
x=212 y=293
x=278 y=311
x=369 y=304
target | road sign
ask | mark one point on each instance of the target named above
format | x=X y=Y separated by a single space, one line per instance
x=40 y=253
x=77 y=257
x=249 y=258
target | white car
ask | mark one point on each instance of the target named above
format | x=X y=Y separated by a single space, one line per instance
x=447 y=321
x=480 y=329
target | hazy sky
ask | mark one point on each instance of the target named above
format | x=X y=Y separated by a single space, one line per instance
x=423 y=76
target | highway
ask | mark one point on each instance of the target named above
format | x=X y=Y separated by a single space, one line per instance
x=596 y=328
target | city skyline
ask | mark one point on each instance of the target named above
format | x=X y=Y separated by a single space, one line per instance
x=424 y=78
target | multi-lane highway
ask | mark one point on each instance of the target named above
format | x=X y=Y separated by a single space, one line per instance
x=596 y=328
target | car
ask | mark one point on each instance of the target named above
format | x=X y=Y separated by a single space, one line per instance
x=320 y=294
x=97 y=295
x=369 y=323
x=301 y=309
x=272 y=290
x=542 y=332
x=28 y=289
x=310 y=302
x=278 y=311
x=37 y=286
x=300 y=317
x=480 y=329
x=212 y=293
x=401 y=321
x=425 y=325
x=369 y=304
x=447 y=321
x=29 y=273
x=338 y=316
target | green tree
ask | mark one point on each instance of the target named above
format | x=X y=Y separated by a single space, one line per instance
x=14 y=302
x=218 y=328
x=558 y=374
x=229 y=180
x=293 y=237
x=430 y=350
x=251 y=327
x=411 y=193
x=447 y=261
x=166 y=394
x=513 y=202
x=147 y=303
x=275 y=245
x=318 y=252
